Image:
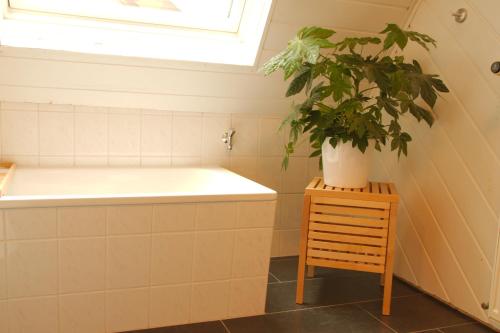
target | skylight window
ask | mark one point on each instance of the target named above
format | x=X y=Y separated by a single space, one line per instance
x=214 y=31
x=219 y=15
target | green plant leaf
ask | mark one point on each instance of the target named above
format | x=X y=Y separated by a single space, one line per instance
x=439 y=85
x=428 y=94
x=395 y=35
x=315 y=153
x=315 y=32
x=352 y=98
x=299 y=82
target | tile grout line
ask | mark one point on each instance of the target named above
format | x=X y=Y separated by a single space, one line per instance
x=274 y=276
x=469 y=323
x=225 y=327
x=377 y=319
x=332 y=305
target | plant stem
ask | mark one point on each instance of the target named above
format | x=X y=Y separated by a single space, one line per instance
x=367 y=89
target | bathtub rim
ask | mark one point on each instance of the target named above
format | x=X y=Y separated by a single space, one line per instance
x=259 y=193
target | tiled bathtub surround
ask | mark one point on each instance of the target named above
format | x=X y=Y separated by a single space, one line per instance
x=65 y=135
x=117 y=268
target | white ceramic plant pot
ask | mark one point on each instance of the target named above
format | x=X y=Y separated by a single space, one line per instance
x=345 y=166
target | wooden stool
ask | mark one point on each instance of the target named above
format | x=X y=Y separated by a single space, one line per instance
x=351 y=229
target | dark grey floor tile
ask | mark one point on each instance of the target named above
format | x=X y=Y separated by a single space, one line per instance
x=340 y=319
x=416 y=313
x=468 y=328
x=207 y=327
x=285 y=269
x=330 y=291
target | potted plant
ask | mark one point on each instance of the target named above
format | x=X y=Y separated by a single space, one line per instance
x=353 y=102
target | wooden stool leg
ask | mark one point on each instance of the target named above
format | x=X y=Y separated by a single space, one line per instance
x=310 y=271
x=386 y=307
x=299 y=299
x=389 y=261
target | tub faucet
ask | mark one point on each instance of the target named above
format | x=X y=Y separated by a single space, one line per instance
x=227 y=138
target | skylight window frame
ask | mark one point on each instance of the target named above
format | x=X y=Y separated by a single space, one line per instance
x=107 y=37
x=127 y=15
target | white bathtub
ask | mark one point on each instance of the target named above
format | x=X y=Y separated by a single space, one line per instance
x=110 y=250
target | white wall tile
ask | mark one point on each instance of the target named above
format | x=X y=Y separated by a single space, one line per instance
x=269 y=172
x=193 y=162
x=213 y=255
x=219 y=215
x=271 y=143
x=33 y=268
x=56 y=133
x=244 y=166
x=186 y=139
x=82 y=265
x=174 y=217
x=18 y=106
x=291 y=212
x=248 y=297
x=49 y=107
x=128 y=261
x=31 y=223
x=32 y=315
x=3 y=273
x=19 y=133
x=246 y=139
x=156 y=161
x=127 y=310
x=296 y=177
x=81 y=221
x=252 y=252
x=124 y=111
x=91 y=161
x=90 y=109
x=91 y=134
x=120 y=161
x=82 y=313
x=256 y=214
x=124 y=134
x=216 y=161
x=275 y=247
x=131 y=219
x=4 y=317
x=210 y=301
x=170 y=305
x=313 y=169
x=302 y=148
x=156 y=135
x=289 y=242
x=214 y=127
x=2 y=226
x=172 y=258
x=57 y=161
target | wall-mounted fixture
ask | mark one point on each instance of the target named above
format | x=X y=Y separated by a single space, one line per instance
x=227 y=138
x=495 y=68
x=460 y=15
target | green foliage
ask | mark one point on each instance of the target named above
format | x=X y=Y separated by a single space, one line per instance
x=347 y=93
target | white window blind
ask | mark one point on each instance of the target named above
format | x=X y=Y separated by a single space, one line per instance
x=217 y=15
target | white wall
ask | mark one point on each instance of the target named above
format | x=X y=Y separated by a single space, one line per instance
x=450 y=184
x=101 y=110
x=66 y=78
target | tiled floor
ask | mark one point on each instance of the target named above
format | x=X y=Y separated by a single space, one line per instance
x=338 y=302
